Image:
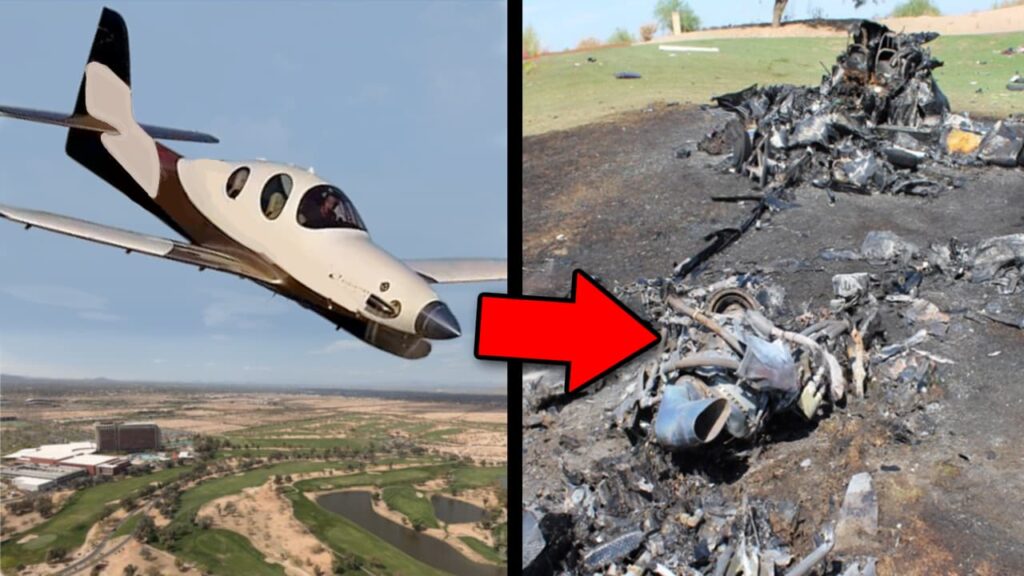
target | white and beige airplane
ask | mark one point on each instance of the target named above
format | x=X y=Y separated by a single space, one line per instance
x=277 y=225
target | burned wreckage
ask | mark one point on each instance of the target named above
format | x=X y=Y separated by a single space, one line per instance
x=877 y=123
x=735 y=356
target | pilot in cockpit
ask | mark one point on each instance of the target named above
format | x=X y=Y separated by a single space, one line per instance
x=325 y=215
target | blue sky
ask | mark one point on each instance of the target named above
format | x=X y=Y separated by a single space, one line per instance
x=561 y=24
x=402 y=105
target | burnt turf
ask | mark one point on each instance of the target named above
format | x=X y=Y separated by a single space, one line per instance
x=613 y=199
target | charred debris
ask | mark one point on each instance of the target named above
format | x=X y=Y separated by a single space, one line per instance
x=740 y=367
x=878 y=123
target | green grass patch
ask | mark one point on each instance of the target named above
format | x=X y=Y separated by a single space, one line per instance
x=346 y=537
x=193 y=499
x=217 y=549
x=483 y=549
x=317 y=443
x=417 y=508
x=42 y=542
x=557 y=94
x=440 y=435
x=69 y=526
x=467 y=478
x=128 y=526
x=390 y=478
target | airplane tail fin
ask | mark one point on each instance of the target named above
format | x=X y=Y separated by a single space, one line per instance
x=103 y=135
x=125 y=156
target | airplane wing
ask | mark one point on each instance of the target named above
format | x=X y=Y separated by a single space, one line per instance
x=134 y=242
x=89 y=123
x=444 y=271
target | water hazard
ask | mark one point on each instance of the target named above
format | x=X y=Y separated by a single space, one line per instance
x=452 y=511
x=357 y=507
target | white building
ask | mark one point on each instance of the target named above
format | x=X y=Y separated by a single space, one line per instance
x=26 y=484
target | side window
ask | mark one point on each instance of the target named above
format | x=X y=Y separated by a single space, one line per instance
x=275 y=194
x=237 y=181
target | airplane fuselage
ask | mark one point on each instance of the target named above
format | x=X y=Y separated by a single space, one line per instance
x=275 y=224
x=259 y=209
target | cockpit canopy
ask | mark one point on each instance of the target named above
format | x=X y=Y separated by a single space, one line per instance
x=325 y=206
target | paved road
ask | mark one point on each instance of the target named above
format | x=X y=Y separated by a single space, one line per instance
x=97 y=553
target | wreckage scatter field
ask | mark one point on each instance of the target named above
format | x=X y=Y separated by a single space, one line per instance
x=558 y=94
x=913 y=274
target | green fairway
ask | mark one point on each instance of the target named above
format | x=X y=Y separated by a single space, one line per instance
x=318 y=443
x=417 y=509
x=217 y=549
x=214 y=548
x=128 y=527
x=407 y=476
x=192 y=500
x=440 y=435
x=467 y=478
x=558 y=94
x=68 y=527
x=345 y=537
x=482 y=549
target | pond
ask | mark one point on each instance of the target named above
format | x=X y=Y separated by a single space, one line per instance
x=357 y=507
x=452 y=511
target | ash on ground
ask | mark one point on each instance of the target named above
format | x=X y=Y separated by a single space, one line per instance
x=774 y=433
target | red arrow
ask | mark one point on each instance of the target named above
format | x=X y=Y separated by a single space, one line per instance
x=592 y=333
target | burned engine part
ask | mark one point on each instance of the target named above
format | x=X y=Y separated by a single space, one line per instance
x=688 y=418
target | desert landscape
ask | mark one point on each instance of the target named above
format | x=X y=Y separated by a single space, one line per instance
x=245 y=492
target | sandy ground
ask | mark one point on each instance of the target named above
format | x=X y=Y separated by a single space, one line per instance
x=132 y=554
x=100 y=528
x=14 y=524
x=265 y=518
x=222 y=412
x=477 y=444
x=983 y=22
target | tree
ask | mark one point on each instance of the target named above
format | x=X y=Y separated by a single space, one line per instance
x=204 y=522
x=620 y=36
x=647 y=32
x=145 y=530
x=531 y=42
x=56 y=554
x=780 y=6
x=44 y=505
x=912 y=8
x=130 y=570
x=777 y=10
x=688 y=19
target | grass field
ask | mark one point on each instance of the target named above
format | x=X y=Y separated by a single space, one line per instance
x=128 y=526
x=216 y=549
x=557 y=94
x=417 y=509
x=192 y=500
x=390 y=478
x=345 y=536
x=318 y=443
x=468 y=478
x=68 y=527
x=213 y=548
x=482 y=549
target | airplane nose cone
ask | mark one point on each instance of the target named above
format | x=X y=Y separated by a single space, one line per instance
x=437 y=322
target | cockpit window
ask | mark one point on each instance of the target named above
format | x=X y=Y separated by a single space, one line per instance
x=325 y=206
x=237 y=181
x=275 y=194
